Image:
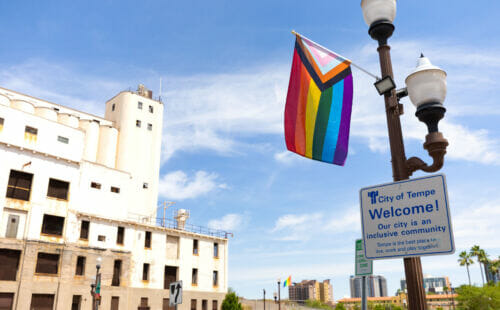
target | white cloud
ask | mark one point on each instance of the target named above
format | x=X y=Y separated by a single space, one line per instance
x=229 y=222
x=177 y=185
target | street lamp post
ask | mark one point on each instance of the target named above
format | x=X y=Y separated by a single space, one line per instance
x=264 y=299
x=95 y=288
x=279 y=294
x=426 y=87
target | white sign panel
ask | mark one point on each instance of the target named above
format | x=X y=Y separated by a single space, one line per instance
x=364 y=267
x=406 y=218
x=175 y=297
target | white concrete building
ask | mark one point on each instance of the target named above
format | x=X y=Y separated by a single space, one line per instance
x=75 y=187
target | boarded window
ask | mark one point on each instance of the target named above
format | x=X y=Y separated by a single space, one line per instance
x=115 y=302
x=84 y=230
x=63 y=139
x=147 y=240
x=9 y=264
x=115 y=189
x=215 y=278
x=204 y=304
x=117 y=271
x=214 y=304
x=195 y=247
x=12 y=226
x=58 y=189
x=52 y=225
x=193 y=304
x=95 y=185
x=19 y=186
x=77 y=302
x=47 y=263
x=6 y=301
x=216 y=250
x=120 y=236
x=194 y=277
x=42 y=302
x=170 y=276
x=145 y=272
x=80 y=266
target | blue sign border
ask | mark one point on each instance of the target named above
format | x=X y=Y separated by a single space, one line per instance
x=443 y=178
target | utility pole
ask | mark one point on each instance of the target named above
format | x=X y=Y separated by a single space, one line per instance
x=264 y=300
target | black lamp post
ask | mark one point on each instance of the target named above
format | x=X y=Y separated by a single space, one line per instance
x=426 y=87
x=279 y=294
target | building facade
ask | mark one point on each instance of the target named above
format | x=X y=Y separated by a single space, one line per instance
x=311 y=290
x=376 y=286
x=75 y=187
x=432 y=284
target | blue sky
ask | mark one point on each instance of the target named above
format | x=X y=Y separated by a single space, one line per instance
x=225 y=67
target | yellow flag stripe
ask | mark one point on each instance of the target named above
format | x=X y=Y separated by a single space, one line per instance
x=311 y=111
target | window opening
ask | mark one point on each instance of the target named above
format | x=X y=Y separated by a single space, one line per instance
x=150 y=109
x=169 y=276
x=195 y=247
x=113 y=107
x=76 y=303
x=120 y=235
x=216 y=278
x=84 y=230
x=58 y=189
x=101 y=238
x=80 y=266
x=147 y=240
x=194 y=277
x=138 y=123
x=42 y=302
x=214 y=304
x=204 y=304
x=145 y=272
x=63 y=139
x=30 y=133
x=216 y=250
x=19 y=186
x=139 y=105
x=95 y=185
x=115 y=189
x=47 y=263
x=52 y=225
x=9 y=265
x=193 y=304
x=117 y=272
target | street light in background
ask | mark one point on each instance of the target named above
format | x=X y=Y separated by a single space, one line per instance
x=279 y=294
x=426 y=87
x=95 y=288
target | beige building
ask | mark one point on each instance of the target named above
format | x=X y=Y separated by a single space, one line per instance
x=311 y=290
x=76 y=188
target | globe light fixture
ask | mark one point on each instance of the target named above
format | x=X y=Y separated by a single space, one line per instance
x=98 y=262
x=378 y=10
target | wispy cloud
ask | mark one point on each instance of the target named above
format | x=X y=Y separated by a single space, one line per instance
x=177 y=185
x=229 y=222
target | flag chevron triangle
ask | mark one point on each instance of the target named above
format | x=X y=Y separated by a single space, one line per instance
x=323 y=81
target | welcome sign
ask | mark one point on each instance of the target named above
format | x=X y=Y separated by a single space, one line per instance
x=406 y=218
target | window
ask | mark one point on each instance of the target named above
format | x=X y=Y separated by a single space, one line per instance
x=193 y=304
x=215 y=278
x=101 y=238
x=169 y=276
x=63 y=139
x=58 y=189
x=42 y=302
x=117 y=272
x=150 y=127
x=195 y=247
x=138 y=123
x=145 y=272
x=80 y=266
x=76 y=303
x=214 y=304
x=52 y=225
x=139 y=105
x=95 y=185
x=216 y=250
x=30 y=133
x=113 y=107
x=204 y=304
x=115 y=189
x=47 y=263
x=19 y=186
x=150 y=109
x=115 y=302
x=144 y=301
x=9 y=265
x=1 y=123
x=194 y=277
x=6 y=301
x=147 y=240
x=84 y=230
x=145 y=185
x=120 y=235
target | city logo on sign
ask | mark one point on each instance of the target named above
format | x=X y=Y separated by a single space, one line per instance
x=373 y=195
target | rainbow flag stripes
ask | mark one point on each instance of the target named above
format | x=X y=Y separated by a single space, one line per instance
x=318 y=104
x=288 y=281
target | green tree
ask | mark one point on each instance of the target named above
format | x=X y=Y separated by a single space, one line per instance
x=231 y=301
x=478 y=298
x=475 y=251
x=465 y=260
x=494 y=266
x=340 y=306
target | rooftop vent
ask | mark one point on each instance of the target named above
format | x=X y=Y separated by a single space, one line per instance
x=143 y=91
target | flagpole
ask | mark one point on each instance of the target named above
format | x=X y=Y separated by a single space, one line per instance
x=338 y=55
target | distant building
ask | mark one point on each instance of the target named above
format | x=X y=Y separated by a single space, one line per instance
x=376 y=286
x=311 y=290
x=432 y=284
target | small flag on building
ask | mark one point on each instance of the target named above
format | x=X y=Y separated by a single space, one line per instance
x=318 y=103
x=288 y=281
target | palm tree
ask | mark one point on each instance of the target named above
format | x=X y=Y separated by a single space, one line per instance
x=465 y=260
x=483 y=259
x=495 y=267
x=475 y=251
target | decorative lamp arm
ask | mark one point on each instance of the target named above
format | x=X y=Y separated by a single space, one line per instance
x=435 y=144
